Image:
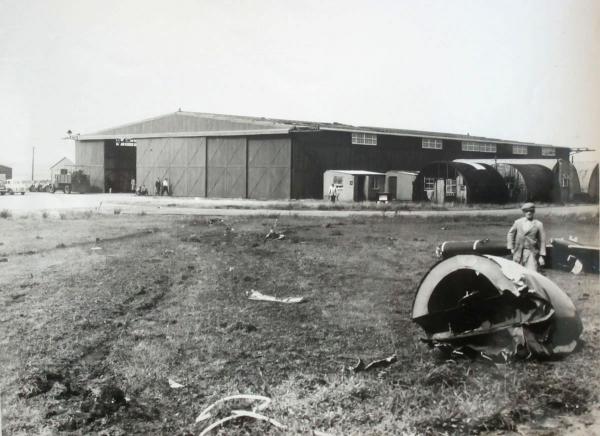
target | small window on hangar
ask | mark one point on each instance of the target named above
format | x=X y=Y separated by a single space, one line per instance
x=434 y=144
x=364 y=138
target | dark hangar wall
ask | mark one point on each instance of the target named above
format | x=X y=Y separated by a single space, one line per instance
x=315 y=152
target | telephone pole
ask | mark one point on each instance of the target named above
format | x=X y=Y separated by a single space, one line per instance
x=32 y=160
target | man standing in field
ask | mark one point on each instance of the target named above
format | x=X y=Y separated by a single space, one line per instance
x=526 y=239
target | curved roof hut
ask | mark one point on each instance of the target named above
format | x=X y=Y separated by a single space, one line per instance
x=462 y=182
x=524 y=181
x=566 y=181
x=588 y=179
x=563 y=185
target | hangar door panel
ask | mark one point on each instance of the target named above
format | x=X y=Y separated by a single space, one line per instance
x=150 y=162
x=269 y=168
x=181 y=160
x=196 y=161
x=226 y=167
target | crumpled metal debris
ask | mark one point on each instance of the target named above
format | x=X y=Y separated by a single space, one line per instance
x=255 y=295
x=273 y=234
x=381 y=363
x=495 y=307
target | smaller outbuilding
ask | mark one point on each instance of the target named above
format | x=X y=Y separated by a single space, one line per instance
x=399 y=184
x=63 y=166
x=354 y=185
x=461 y=182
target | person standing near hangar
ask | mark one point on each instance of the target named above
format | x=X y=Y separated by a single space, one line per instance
x=526 y=239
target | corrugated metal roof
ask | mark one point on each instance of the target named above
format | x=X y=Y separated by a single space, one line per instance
x=278 y=123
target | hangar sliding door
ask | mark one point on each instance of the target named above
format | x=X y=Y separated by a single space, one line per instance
x=181 y=160
x=269 y=161
x=226 y=167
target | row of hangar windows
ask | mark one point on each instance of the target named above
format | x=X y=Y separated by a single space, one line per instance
x=437 y=144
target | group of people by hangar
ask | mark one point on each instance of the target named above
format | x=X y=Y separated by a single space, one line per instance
x=161 y=187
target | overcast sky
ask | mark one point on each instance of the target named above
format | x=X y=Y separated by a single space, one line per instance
x=525 y=70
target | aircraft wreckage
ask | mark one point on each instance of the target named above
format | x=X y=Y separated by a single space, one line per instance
x=493 y=306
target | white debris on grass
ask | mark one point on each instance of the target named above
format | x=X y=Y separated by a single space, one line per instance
x=255 y=295
x=173 y=384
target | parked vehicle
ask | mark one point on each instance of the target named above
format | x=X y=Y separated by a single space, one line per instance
x=15 y=187
x=61 y=182
x=2 y=184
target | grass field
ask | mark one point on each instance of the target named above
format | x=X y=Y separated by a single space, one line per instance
x=90 y=337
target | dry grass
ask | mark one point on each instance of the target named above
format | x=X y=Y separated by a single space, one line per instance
x=165 y=298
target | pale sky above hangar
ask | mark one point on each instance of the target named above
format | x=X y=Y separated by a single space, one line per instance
x=523 y=70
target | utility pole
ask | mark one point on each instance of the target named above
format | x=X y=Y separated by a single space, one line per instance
x=32 y=160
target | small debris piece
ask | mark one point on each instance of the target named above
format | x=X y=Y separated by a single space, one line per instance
x=274 y=235
x=96 y=248
x=173 y=384
x=168 y=251
x=255 y=295
x=206 y=415
x=381 y=363
x=240 y=414
x=212 y=221
x=360 y=366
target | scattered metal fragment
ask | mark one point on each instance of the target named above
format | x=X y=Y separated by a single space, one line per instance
x=381 y=363
x=96 y=248
x=265 y=401
x=274 y=235
x=255 y=295
x=173 y=384
x=491 y=305
x=236 y=414
x=242 y=414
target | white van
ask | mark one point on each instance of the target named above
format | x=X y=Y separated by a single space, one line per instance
x=15 y=187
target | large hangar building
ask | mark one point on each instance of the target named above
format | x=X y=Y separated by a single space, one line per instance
x=224 y=156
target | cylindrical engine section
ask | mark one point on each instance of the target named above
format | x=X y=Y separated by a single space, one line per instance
x=471 y=300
